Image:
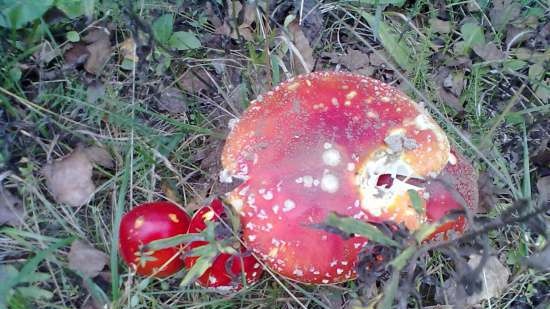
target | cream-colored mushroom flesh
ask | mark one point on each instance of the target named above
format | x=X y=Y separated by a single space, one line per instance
x=319 y=143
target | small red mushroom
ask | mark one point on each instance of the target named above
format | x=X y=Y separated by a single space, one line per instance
x=144 y=224
x=226 y=270
x=333 y=142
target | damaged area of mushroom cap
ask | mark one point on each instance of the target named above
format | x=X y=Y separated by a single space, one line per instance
x=391 y=202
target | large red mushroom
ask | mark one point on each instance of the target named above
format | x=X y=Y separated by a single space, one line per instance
x=337 y=142
x=146 y=223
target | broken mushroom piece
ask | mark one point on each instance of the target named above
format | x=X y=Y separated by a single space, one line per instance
x=328 y=142
x=227 y=270
x=144 y=224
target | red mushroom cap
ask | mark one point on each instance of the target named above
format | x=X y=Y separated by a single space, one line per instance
x=455 y=187
x=227 y=269
x=317 y=144
x=146 y=223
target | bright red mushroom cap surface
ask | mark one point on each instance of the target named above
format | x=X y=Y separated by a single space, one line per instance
x=227 y=269
x=316 y=144
x=146 y=223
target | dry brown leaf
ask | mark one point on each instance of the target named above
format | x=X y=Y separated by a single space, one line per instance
x=503 y=12
x=211 y=15
x=76 y=55
x=169 y=192
x=128 y=50
x=540 y=260
x=354 y=59
x=100 y=50
x=46 y=53
x=70 y=179
x=543 y=186
x=489 y=52
x=494 y=279
x=440 y=26
x=312 y=19
x=172 y=101
x=234 y=9
x=99 y=156
x=303 y=62
x=11 y=208
x=95 y=91
x=87 y=260
x=191 y=82
x=449 y=88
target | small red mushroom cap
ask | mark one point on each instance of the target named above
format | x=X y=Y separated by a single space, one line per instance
x=319 y=143
x=144 y=224
x=226 y=270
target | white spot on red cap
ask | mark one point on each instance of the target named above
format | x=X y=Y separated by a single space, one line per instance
x=288 y=205
x=268 y=195
x=262 y=215
x=298 y=272
x=350 y=95
x=329 y=183
x=251 y=237
x=331 y=157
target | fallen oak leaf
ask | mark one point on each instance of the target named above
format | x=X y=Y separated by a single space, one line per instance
x=76 y=55
x=100 y=156
x=489 y=52
x=172 y=100
x=493 y=277
x=244 y=29
x=11 y=208
x=192 y=80
x=99 y=49
x=70 y=179
x=128 y=50
x=303 y=55
x=85 y=259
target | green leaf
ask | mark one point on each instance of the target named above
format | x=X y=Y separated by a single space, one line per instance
x=208 y=249
x=15 y=73
x=424 y=231
x=472 y=34
x=402 y=259
x=183 y=40
x=163 y=28
x=514 y=65
x=383 y=2
x=35 y=292
x=75 y=8
x=37 y=277
x=172 y=241
x=392 y=42
x=14 y=14
x=417 y=202
x=73 y=36
x=390 y=288
x=200 y=266
x=353 y=226
x=536 y=72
